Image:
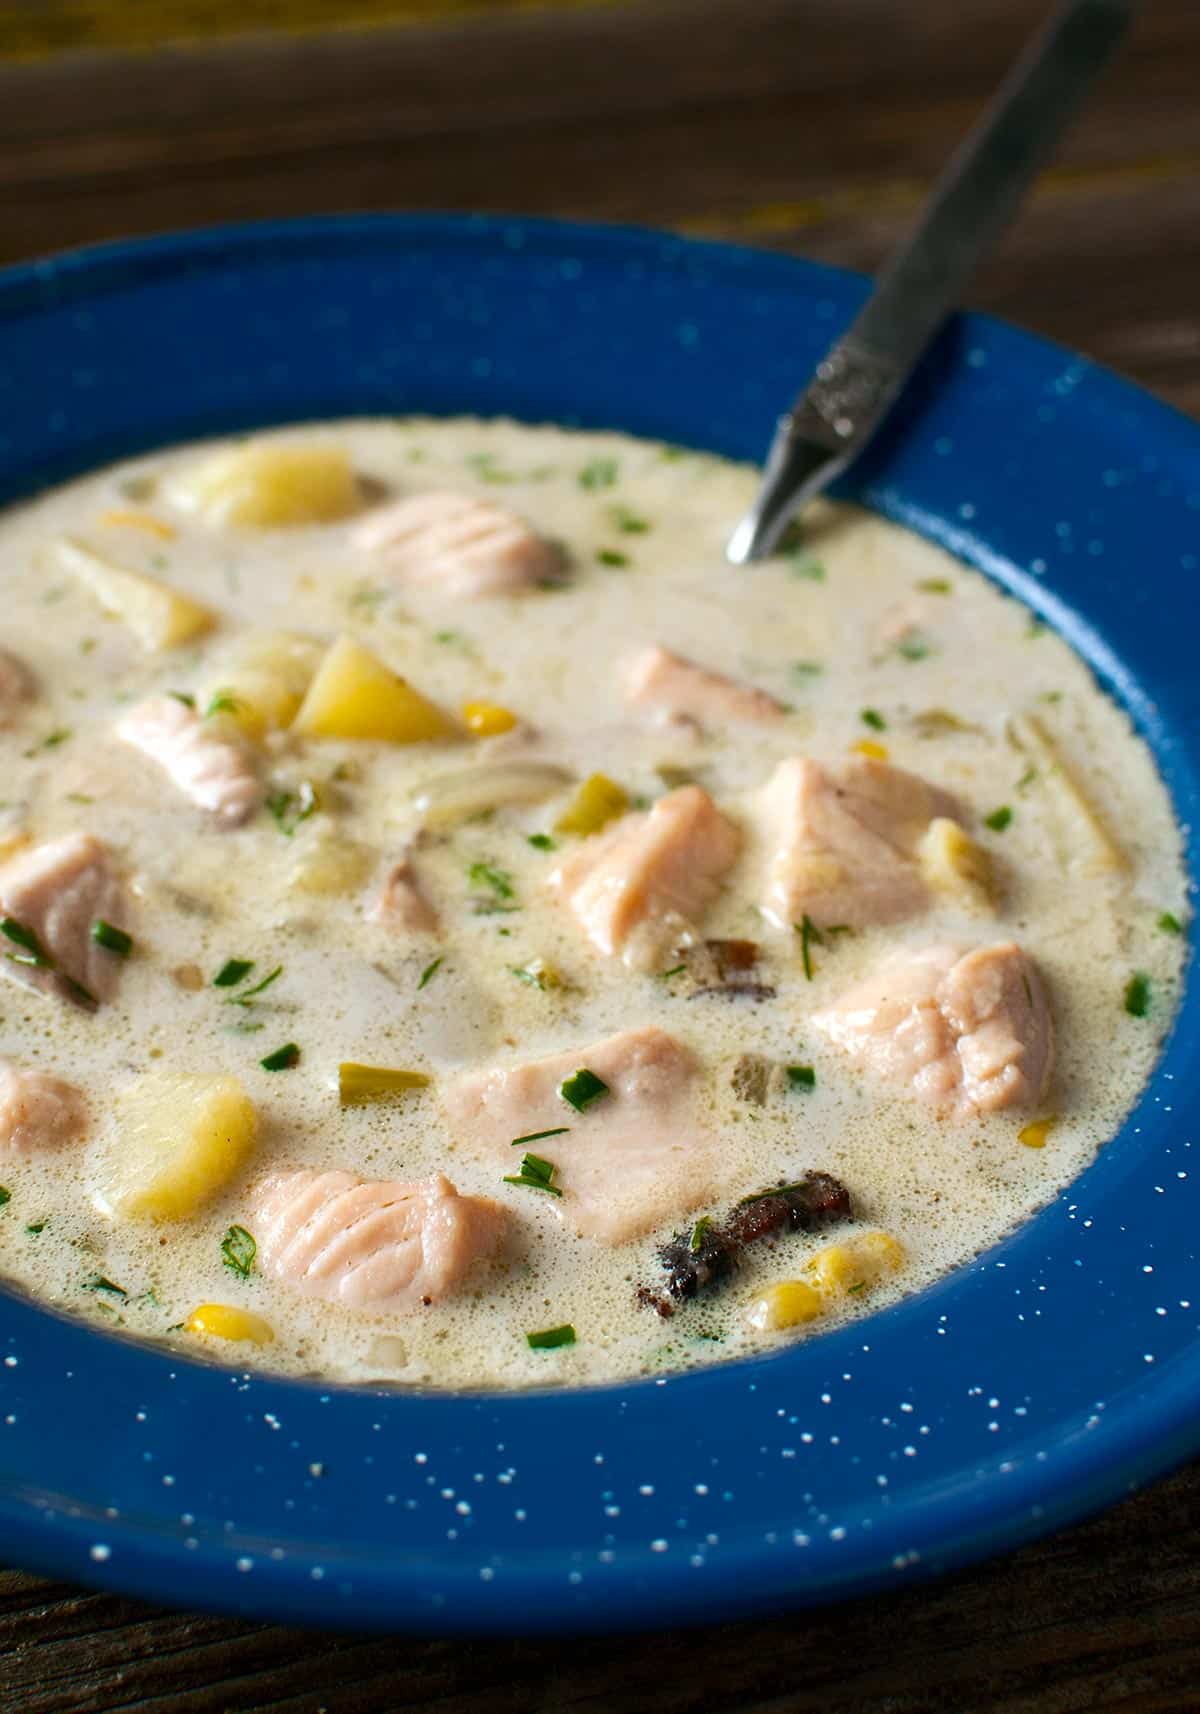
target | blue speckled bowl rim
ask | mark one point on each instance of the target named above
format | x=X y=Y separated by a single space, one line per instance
x=991 y=1474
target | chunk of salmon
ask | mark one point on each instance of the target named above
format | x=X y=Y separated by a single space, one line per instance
x=660 y=679
x=968 y=1031
x=842 y=841
x=17 y=685
x=455 y=544
x=402 y=901
x=56 y=892
x=643 y=886
x=374 y=1243
x=635 y=1157
x=38 y=1111
x=209 y=764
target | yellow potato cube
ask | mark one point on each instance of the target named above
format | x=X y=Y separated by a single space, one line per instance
x=487 y=719
x=1035 y=1133
x=223 y=1321
x=598 y=801
x=951 y=862
x=266 y=676
x=158 y=616
x=870 y=747
x=788 y=1303
x=179 y=1137
x=1084 y=831
x=354 y=695
x=330 y=864
x=266 y=485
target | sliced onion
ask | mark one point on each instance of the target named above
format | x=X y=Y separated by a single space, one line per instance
x=470 y=791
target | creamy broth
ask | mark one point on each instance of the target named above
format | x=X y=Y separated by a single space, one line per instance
x=873 y=641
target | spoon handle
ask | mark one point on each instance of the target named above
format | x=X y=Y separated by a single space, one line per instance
x=974 y=199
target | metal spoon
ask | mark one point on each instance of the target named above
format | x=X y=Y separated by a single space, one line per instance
x=860 y=377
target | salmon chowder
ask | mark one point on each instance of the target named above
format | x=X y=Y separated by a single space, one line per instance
x=458 y=931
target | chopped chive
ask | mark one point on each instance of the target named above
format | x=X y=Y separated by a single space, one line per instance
x=531 y=976
x=805 y=565
x=1027 y=778
x=50 y=742
x=541 y=842
x=999 y=819
x=112 y=939
x=221 y=702
x=238 y=1249
x=612 y=556
x=540 y=1136
x=184 y=696
x=233 y=971
x=28 y=942
x=808 y=932
x=806 y=669
x=499 y=881
x=246 y=997
x=675 y=970
x=859 y=1285
x=429 y=972
x=449 y=637
x=551 y=1338
x=282 y=1059
x=36 y=1226
x=582 y=1088
x=98 y=1282
x=801 y=1076
x=599 y=473
x=628 y=522
x=935 y=586
x=916 y=646
x=1137 y=995
x=1169 y=923
x=289 y=808
x=871 y=717
x=535 y=1174
x=5 y=1195
x=699 y=1232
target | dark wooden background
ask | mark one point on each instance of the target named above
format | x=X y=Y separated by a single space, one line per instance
x=813 y=125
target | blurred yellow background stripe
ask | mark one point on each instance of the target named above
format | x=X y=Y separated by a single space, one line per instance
x=36 y=29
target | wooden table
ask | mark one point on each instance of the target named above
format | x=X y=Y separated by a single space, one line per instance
x=812 y=125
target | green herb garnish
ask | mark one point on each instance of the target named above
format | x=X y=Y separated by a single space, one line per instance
x=429 y=972
x=112 y=939
x=184 y=696
x=935 y=586
x=551 y=1338
x=98 y=1282
x=221 y=702
x=531 y=976
x=801 y=1076
x=289 y=808
x=233 y=971
x=600 y=473
x=806 y=669
x=999 y=819
x=541 y=842
x=628 y=522
x=809 y=933
x=699 y=1232
x=31 y=947
x=1137 y=995
x=282 y=1059
x=498 y=881
x=805 y=564
x=36 y=1226
x=50 y=742
x=611 y=556
x=871 y=717
x=582 y=1088
x=915 y=646
x=535 y=1174
x=238 y=1250
x=1169 y=923
x=247 y=997
x=5 y=1195
x=540 y=1136
x=675 y=970
x=1027 y=778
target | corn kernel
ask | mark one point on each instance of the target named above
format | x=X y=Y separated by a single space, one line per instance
x=870 y=747
x=835 y=1270
x=788 y=1303
x=119 y=518
x=879 y=1254
x=222 y=1321
x=1035 y=1133
x=487 y=719
x=598 y=801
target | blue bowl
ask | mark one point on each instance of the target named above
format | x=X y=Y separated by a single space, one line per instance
x=1038 y=1382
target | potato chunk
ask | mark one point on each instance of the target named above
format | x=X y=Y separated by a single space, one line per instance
x=264 y=680
x=267 y=485
x=952 y=863
x=158 y=616
x=354 y=695
x=179 y=1137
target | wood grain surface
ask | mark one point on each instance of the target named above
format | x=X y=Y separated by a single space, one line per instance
x=812 y=125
